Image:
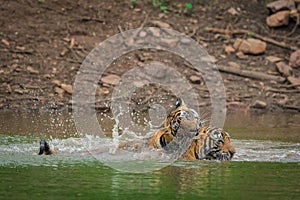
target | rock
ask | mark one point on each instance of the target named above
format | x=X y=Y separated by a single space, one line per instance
x=111 y=79
x=5 y=42
x=213 y=59
x=229 y=49
x=101 y=91
x=241 y=55
x=293 y=80
x=56 y=82
x=234 y=65
x=259 y=104
x=232 y=11
x=278 y=19
x=59 y=91
x=284 y=69
x=250 y=45
x=281 y=5
x=273 y=59
x=67 y=88
x=21 y=48
x=32 y=71
x=295 y=59
x=160 y=24
x=294 y=14
x=9 y=90
x=169 y=42
x=20 y=91
x=195 y=79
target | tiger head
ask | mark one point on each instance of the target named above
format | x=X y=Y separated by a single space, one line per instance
x=182 y=122
x=182 y=118
x=223 y=144
x=210 y=144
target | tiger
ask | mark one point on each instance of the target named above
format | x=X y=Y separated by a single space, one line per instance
x=207 y=143
x=181 y=122
x=210 y=144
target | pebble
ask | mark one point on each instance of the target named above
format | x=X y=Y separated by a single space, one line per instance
x=278 y=19
x=281 y=5
x=59 y=91
x=273 y=59
x=32 y=71
x=295 y=59
x=111 y=79
x=67 y=88
x=250 y=45
x=259 y=104
x=195 y=79
x=284 y=69
x=293 y=80
x=229 y=49
x=56 y=82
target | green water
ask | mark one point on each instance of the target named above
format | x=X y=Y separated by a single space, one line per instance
x=266 y=165
x=205 y=180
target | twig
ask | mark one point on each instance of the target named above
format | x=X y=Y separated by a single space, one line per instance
x=283 y=91
x=251 y=74
x=17 y=51
x=242 y=31
x=291 y=107
x=290 y=86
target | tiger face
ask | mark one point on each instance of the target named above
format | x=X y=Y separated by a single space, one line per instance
x=210 y=144
x=181 y=122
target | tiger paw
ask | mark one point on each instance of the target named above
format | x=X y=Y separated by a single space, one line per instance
x=45 y=149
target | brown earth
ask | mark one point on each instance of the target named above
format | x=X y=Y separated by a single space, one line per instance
x=43 y=44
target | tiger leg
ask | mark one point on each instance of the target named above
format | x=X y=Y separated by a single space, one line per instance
x=161 y=138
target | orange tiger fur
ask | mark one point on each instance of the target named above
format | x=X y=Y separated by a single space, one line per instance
x=210 y=144
x=180 y=122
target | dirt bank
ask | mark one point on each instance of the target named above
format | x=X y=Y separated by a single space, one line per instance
x=43 y=44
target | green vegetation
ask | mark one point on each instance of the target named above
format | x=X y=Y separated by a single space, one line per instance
x=250 y=34
x=165 y=5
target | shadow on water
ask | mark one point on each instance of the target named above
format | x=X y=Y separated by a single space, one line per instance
x=266 y=165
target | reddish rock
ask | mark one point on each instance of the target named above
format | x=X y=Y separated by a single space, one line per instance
x=284 y=69
x=232 y=11
x=111 y=79
x=56 y=82
x=59 y=91
x=250 y=45
x=281 y=5
x=195 y=79
x=273 y=59
x=295 y=59
x=234 y=65
x=67 y=88
x=229 y=49
x=241 y=55
x=278 y=19
x=160 y=24
x=293 y=80
x=5 y=42
x=259 y=104
x=32 y=71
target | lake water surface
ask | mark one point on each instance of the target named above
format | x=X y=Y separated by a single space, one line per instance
x=266 y=165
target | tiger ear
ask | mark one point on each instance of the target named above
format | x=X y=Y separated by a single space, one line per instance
x=178 y=102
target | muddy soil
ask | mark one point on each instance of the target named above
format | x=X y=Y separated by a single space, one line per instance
x=44 y=42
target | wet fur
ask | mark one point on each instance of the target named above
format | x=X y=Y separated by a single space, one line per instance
x=210 y=144
x=45 y=148
x=178 y=123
